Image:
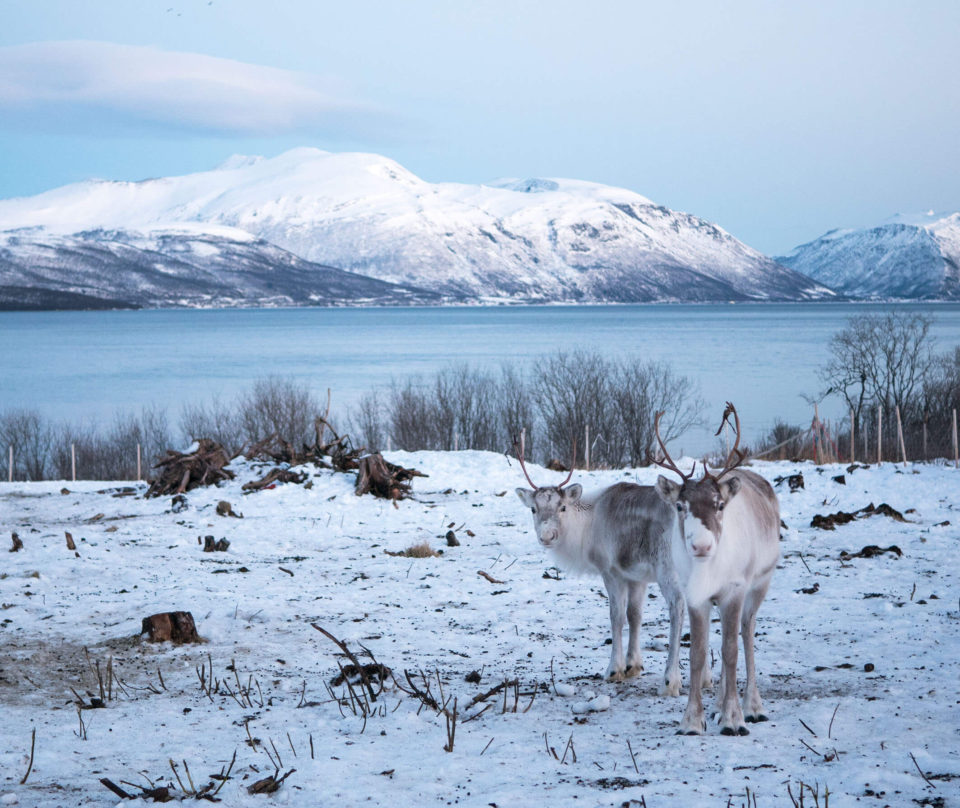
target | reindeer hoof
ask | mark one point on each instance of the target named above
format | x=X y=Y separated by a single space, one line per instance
x=734 y=731
x=688 y=732
x=670 y=689
x=756 y=719
x=633 y=670
x=615 y=676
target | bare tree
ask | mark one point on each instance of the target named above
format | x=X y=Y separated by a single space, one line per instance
x=881 y=361
x=30 y=436
x=639 y=391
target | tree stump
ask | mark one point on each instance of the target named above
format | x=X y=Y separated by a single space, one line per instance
x=382 y=479
x=177 y=627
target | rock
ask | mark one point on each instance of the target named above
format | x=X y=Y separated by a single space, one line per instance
x=452 y=540
x=224 y=508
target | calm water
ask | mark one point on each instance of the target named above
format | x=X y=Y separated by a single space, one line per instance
x=88 y=365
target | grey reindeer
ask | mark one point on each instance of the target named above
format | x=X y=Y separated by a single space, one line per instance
x=727 y=548
x=624 y=533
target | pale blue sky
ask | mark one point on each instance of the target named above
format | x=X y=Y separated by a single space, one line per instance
x=778 y=121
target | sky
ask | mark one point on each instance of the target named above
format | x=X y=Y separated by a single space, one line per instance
x=779 y=121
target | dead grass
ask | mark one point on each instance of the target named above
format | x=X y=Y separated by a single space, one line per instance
x=422 y=550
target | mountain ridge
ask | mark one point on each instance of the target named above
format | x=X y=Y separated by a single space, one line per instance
x=534 y=240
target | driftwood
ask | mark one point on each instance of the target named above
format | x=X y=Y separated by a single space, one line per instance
x=382 y=479
x=795 y=481
x=277 y=475
x=178 y=627
x=339 y=449
x=829 y=521
x=183 y=472
x=871 y=551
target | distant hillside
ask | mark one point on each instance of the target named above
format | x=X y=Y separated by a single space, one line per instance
x=223 y=267
x=915 y=257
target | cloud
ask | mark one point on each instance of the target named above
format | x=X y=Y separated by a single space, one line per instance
x=100 y=87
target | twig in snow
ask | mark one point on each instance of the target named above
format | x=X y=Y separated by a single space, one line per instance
x=33 y=741
x=921 y=771
x=489 y=577
x=807 y=728
x=633 y=757
x=830 y=728
x=451 y=720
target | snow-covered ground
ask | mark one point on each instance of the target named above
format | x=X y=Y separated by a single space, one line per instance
x=857 y=676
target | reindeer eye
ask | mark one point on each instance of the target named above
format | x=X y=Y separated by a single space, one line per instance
x=533 y=510
x=563 y=508
x=720 y=505
x=679 y=507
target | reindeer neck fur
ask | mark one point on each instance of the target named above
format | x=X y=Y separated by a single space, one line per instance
x=573 y=546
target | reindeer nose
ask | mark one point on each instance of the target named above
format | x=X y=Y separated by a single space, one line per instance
x=701 y=549
x=548 y=536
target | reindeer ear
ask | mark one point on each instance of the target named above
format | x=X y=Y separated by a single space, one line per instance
x=668 y=490
x=729 y=488
x=572 y=493
x=526 y=496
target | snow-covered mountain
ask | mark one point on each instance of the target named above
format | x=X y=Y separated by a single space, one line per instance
x=529 y=240
x=905 y=257
x=186 y=266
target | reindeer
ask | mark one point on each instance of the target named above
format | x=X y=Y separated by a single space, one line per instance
x=624 y=533
x=726 y=551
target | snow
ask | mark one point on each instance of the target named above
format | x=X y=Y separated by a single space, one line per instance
x=868 y=663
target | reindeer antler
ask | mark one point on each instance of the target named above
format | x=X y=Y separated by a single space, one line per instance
x=573 y=461
x=735 y=457
x=667 y=461
x=519 y=452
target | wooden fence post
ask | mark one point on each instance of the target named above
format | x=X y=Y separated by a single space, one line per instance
x=903 y=450
x=10 y=477
x=586 y=447
x=879 y=435
x=925 y=438
x=456 y=441
x=139 y=475
x=73 y=460
x=956 y=453
x=817 y=436
x=853 y=445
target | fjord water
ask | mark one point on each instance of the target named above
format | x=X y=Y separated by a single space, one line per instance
x=90 y=365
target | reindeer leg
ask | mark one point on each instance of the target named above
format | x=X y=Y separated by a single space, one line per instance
x=617 y=595
x=670 y=589
x=693 y=722
x=731 y=715
x=636 y=594
x=752 y=703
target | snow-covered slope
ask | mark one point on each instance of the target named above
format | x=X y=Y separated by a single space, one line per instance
x=186 y=266
x=539 y=240
x=905 y=257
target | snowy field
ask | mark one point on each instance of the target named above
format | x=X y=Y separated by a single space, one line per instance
x=859 y=660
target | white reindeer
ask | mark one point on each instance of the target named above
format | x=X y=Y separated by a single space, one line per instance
x=624 y=533
x=726 y=551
